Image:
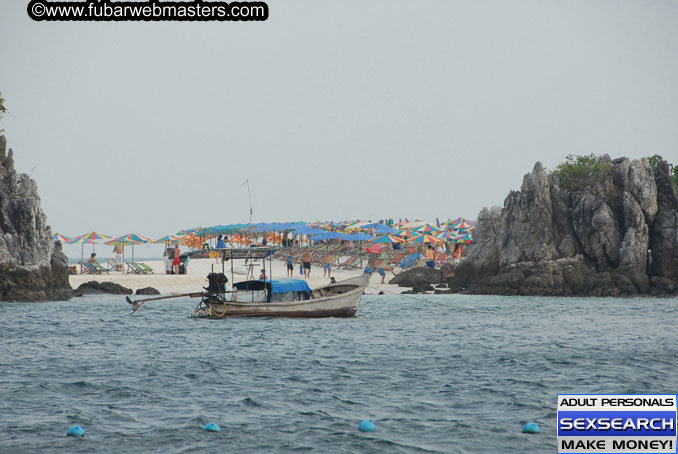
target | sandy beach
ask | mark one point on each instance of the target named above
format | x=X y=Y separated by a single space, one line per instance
x=196 y=278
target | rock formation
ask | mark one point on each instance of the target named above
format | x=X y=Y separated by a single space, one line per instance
x=97 y=288
x=32 y=266
x=616 y=237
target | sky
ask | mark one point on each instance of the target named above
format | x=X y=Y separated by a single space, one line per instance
x=332 y=110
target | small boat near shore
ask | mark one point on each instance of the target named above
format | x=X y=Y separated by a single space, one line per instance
x=270 y=297
x=284 y=298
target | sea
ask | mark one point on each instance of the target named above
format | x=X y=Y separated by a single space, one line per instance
x=435 y=373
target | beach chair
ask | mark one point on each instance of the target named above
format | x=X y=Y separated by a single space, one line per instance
x=110 y=263
x=100 y=268
x=146 y=268
x=410 y=261
x=87 y=268
x=398 y=259
x=441 y=259
x=348 y=262
x=133 y=268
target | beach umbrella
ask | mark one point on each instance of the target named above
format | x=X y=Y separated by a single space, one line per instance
x=427 y=228
x=387 y=239
x=62 y=238
x=464 y=238
x=358 y=237
x=130 y=238
x=89 y=238
x=425 y=238
x=447 y=236
x=412 y=224
x=381 y=229
x=94 y=237
x=82 y=241
x=461 y=223
x=407 y=234
x=167 y=239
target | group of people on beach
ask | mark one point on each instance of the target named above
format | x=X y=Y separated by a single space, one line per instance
x=172 y=258
x=306 y=259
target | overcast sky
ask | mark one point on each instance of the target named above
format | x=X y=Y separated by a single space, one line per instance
x=332 y=110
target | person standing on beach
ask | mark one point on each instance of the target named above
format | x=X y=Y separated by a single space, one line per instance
x=327 y=266
x=117 y=249
x=220 y=247
x=457 y=254
x=166 y=257
x=290 y=265
x=176 y=262
x=430 y=256
x=306 y=259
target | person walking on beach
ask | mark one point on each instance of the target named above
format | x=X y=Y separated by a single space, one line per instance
x=117 y=250
x=220 y=247
x=306 y=259
x=176 y=262
x=327 y=266
x=430 y=256
x=290 y=265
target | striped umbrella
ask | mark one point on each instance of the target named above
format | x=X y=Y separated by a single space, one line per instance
x=94 y=237
x=425 y=238
x=427 y=228
x=464 y=238
x=462 y=223
x=88 y=238
x=408 y=234
x=447 y=236
x=167 y=239
x=62 y=238
x=387 y=239
x=124 y=240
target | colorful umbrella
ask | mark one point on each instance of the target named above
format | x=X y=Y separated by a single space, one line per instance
x=94 y=237
x=465 y=238
x=62 y=238
x=167 y=239
x=88 y=238
x=425 y=238
x=427 y=228
x=130 y=238
x=447 y=235
x=387 y=239
x=409 y=234
x=462 y=223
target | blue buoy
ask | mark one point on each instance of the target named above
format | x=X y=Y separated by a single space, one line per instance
x=531 y=428
x=75 y=431
x=366 y=426
x=211 y=427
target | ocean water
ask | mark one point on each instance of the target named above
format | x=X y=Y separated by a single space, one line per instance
x=436 y=374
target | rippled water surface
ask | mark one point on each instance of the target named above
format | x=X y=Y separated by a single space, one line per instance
x=441 y=374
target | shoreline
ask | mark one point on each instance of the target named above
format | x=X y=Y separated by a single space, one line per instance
x=196 y=278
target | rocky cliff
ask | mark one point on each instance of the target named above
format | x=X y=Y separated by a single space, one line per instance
x=616 y=237
x=32 y=266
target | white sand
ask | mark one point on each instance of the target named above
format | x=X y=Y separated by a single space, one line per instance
x=198 y=269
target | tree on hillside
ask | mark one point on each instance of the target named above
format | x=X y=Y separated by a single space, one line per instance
x=579 y=172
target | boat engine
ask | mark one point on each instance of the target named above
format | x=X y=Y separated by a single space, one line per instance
x=217 y=283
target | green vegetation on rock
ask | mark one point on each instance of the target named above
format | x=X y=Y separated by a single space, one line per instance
x=582 y=171
x=656 y=159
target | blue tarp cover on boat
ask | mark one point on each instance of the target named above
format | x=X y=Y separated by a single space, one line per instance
x=276 y=285
x=289 y=285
